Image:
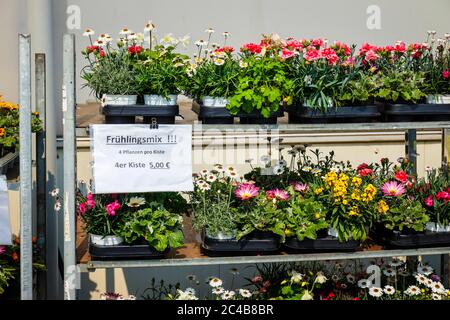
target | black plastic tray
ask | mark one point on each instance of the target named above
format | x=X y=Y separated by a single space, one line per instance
x=416 y=112
x=427 y=239
x=255 y=117
x=343 y=114
x=326 y=244
x=213 y=115
x=124 y=252
x=128 y=114
x=258 y=242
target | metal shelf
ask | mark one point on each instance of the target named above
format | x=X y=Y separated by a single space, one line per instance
x=92 y=265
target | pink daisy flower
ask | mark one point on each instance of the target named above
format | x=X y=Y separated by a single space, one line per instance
x=393 y=189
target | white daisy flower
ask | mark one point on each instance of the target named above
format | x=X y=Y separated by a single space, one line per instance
x=363 y=284
x=316 y=171
x=426 y=270
x=219 y=168
x=104 y=36
x=204 y=172
x=396 y=263
x=185 y=40
x=54 y=193
x=57 y=206
x=132 y=36
x=437 y=287
x=211 y=178
x=100 y=43
x=149 y=26
x=218 y=61
x=389 y=290
x=429 y=283
x=412 y=291
x=228 y=295
x=245 y=293
x=125 y=32
x=218 y=291
x=210 y=30
x=205 y=187
x=243 y=64
x=351 y=278
x=389 y=272
x=376 y=292
x=200 y=182
x=421 y=279
x=277 y=170
x=190 y=291
x=215 y=282
x=343 y=286
x=132 y=297
x=265 y=159
x=436 y=296
x=88 y=32
x=201 y=43
x=335 y=278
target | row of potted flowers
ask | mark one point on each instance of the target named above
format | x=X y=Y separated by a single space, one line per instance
x=305 y=76
x=313 y=204
x=324 y=281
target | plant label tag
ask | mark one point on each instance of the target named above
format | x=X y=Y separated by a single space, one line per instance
x=5 y=227
x=136 y=158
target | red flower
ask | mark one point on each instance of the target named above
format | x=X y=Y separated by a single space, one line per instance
x=446 y=74
x=341 y=48
x=135 y=50
x=401 y=176
x=400 y=47
x=443 y=195
x=312 y=54
x=257 y=279
x=318 y=43
x=371 y=56
x=365 y=48
x=82 y=208
x=91 y=49
x=226 y=49
x=330 y=55
x=356 y=299
x=15 y=256
x=362 y=166
x=293 y=44
x=429 y=202
x=102 y=54
x=252 y=47
x=111 y=209
x=365 y=172
x=286 y=53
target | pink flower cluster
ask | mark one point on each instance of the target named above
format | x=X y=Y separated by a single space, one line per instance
x=88 y=204
x=443 y=196
x=277 y=194
x=446 y=74
x=111 y=209
x=372 y=53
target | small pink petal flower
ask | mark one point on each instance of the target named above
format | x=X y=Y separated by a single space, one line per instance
x=393 y=189
x=429 y=202
x=300 y=187
x=82 y=208
x=111 y=209
x=2 y=249
x=277 y=194
x=246 y=191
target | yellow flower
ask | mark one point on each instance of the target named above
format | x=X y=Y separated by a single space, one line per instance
x=318 y=191
x=355 y=195
x=330 y=178
x=383 y=207
x=317 y=216
x=344 y=202
x=356 y=181
x=343 y=177
x=288 y=232
x=2 y=132
x=354 y=212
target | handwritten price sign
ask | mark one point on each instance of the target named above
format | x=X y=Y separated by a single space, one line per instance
x=135 y=158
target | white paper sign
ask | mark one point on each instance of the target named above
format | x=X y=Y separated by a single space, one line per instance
x=136 y=158
x=5 y=227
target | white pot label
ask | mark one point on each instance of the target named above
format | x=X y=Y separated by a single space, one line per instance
x=136 y=158
x=5 y=227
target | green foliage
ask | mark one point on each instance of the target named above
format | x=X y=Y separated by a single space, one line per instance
x=160 y=228
x=405 y=214
x=263 y=85
x=211 y=79
x=113 y=74
x=358 y=90
x=304 y=218
x=161 y=71
x=400 y=86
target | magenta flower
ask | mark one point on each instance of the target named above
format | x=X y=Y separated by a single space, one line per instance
x=82 y=208
x=246 y=191
x=300 y=187
x=429 y=202
x=2 y=249
x=277 y=194
x=111 y=209
x=90 y=201
x=393 y=189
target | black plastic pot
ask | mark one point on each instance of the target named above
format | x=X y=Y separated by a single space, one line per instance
x=408 y=239
x=128 y=114
x=213 y=115
x=343 y=114
x=256 y=242
x=8 y=161
x=322 y=244
x=416 y=112
x=255 y=117
x=124 y=252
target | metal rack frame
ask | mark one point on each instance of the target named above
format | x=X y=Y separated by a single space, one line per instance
x=410 y=130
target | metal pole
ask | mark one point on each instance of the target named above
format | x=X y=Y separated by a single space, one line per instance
x=26 y=249
x=411 y=149
x=70 y=274
x=41 y=170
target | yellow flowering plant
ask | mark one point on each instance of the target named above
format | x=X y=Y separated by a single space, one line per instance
x=9 y=126
x=350 y=201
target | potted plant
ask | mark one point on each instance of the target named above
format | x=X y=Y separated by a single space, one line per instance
x=9 y=133
x=329 y=84
x=211 y=203
x=263 y=86
x=436 y=65
x=212 y=80
x=110 y=70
